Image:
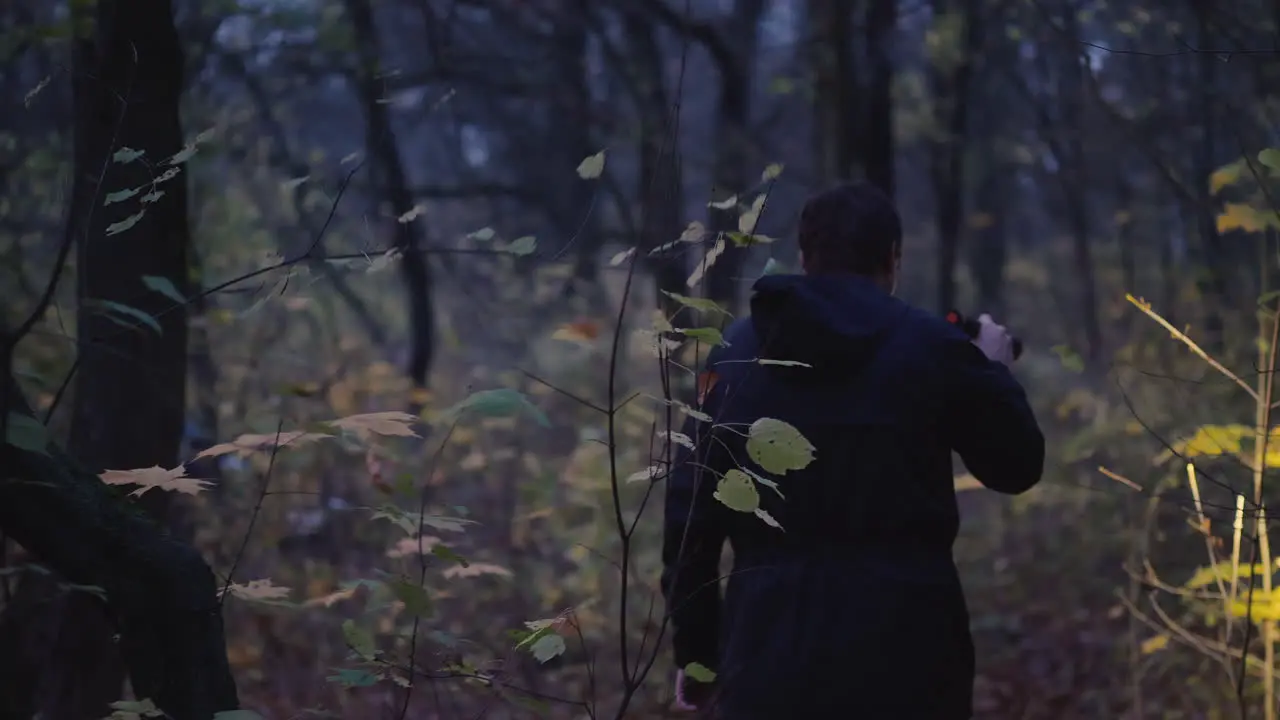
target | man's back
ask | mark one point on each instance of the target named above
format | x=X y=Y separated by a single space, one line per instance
x=852 y=608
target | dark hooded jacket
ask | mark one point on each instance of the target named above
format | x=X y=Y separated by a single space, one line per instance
x=853 y=607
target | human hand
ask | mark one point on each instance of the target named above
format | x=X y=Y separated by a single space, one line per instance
x=994 y=340
x=691 y=695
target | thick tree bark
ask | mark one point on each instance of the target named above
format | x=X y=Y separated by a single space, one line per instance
x=129 y=224
x=160 y=593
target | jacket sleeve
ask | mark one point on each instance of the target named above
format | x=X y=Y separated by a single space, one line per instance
x=693 y=536
x=989 y=421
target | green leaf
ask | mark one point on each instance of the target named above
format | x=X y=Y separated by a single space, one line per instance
x=120 y=309
x=414 y=597
x=742 y=239
x=765 y=482
x=708 y=335
x=778 y=447
x=701 y=304
x=118 y=227
x=699 y=672
x=767 y=518
x=127 y=155
x=771 y=171
x=782 y=363
x=360 y=640
x=1071 y=360
x=164 y=286
x=448 y=524
x=592 y=166
x=237 y=715
x=484 y=234
x=523 y=246
x=750 y=217
x=738 y=492
x=499 y=402
x=444 y=552
x=548 y=646
x=26 y=433
x=409 y=521
x=120 y=196
x=773 y=267
x=183 y=155
x=1270 y=158
x=353 y=678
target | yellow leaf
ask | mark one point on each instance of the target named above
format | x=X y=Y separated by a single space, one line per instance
x=1214 y=440
x=156 y=478
x=579 y=331
x=393 y=422
x=1224 y=176
x=1210 y=574
x=1246 y=218
x=1155 y=644
x=1261 y=608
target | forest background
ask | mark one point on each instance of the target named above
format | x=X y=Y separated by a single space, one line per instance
x=345 y=343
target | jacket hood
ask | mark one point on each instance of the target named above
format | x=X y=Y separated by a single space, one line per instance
x=832 y=323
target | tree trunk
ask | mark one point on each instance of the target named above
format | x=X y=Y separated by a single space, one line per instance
x=391 y=182
x=732 y=149
x=160 y=592
x=877 y=139
x=129 y=223
x=661 y=183
x=951 y=86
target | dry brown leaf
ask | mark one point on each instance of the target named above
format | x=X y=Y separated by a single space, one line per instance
x=156 y=478
x=258 y=590
x=393 y=422
x=251 y=442
x=408 y=547
x=579 y=331
x=330 y=599
x=476 y=570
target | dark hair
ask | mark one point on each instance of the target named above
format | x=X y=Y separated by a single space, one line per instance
x=851 y=228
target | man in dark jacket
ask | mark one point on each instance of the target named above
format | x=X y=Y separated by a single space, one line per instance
x=852 y=606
